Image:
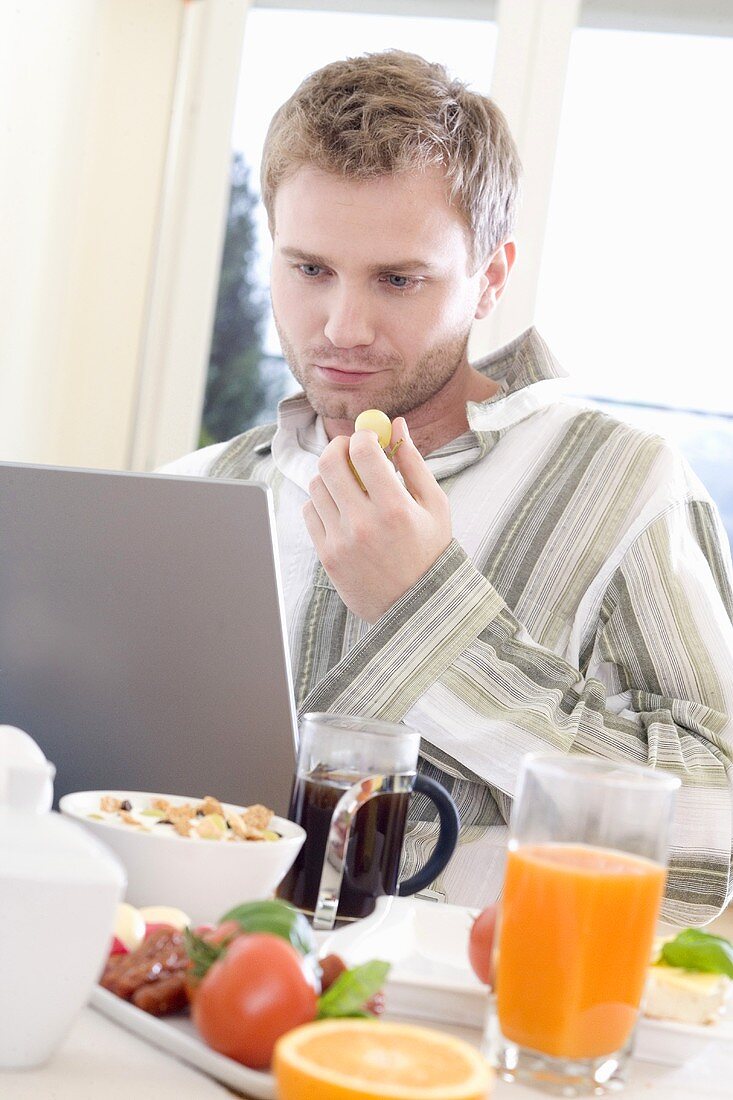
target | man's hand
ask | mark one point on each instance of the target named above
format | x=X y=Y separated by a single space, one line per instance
x=375 y=545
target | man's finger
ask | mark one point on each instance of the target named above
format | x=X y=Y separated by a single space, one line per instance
x=338 y=477
x=314 y=526
x=418 y=480
x=375 y=471
x=324 y=503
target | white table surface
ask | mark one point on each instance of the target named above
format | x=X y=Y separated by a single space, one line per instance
x=101 y=1061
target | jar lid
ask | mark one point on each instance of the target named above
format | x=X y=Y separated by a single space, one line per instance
x=26 y=776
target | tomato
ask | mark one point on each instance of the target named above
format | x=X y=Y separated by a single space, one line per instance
x=150 y=928
x=191 y=983
x=480 y=944
x=220 y=934
x=251 y=996
x=203 y=929
x=332 y=967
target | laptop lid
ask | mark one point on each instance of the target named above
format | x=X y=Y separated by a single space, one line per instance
x=142 y=636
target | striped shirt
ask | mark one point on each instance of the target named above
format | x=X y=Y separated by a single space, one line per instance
x=585 y=605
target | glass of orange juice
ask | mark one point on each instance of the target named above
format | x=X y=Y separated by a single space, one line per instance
x=585 y=875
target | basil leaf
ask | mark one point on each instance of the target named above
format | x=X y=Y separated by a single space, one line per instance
x=696 y=950
x=202 y=954
x=276 y=917
x=352 y=989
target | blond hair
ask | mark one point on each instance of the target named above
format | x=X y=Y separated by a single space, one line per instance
x=392 y=112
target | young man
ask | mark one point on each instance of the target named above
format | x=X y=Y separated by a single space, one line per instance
x=527 y=573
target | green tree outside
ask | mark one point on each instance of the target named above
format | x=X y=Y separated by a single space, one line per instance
x=235 y=389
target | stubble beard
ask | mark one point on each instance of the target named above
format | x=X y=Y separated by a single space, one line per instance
x=403 y=395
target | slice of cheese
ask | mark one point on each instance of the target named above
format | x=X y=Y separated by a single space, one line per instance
x=689 y=996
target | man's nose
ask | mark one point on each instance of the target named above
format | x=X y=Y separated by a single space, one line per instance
x=349 y=323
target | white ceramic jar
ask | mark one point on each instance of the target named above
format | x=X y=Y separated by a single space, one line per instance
x=59 y=890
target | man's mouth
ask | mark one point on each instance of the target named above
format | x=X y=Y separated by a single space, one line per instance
x=346 y=377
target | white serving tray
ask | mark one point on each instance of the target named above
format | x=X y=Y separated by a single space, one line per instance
x=178 y=1036
x=431 y=980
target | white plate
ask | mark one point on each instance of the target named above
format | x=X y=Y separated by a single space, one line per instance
x=673 y=1044
x=178 y=1036
x=430 y=979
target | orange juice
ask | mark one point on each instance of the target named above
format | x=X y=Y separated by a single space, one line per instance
x=577 y=925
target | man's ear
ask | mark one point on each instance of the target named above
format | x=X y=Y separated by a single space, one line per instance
x=494 y=278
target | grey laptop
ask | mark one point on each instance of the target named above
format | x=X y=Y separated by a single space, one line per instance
x=142 y=639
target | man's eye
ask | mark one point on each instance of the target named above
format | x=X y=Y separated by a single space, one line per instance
x=310 y=269
x=401 y=282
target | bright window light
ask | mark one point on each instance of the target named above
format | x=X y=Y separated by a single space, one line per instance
x=637 y=278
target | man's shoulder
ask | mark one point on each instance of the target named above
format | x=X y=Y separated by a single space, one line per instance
x=618 y=443
x=244 y=452
x=232 y=458
x=591 y=417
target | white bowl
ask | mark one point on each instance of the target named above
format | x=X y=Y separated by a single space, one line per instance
x=204 y=878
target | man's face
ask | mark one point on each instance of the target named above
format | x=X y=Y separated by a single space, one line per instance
x=372 y=290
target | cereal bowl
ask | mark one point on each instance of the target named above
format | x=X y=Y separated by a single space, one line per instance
x=199 y=873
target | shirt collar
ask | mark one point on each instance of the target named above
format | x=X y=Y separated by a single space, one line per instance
x=529 y=377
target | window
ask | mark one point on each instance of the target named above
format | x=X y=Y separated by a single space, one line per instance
x=247 y=375
x=636 y=280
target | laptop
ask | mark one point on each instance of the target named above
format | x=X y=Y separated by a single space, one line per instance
x=142 y=635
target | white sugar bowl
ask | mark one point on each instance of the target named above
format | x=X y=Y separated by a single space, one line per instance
x=59 y=890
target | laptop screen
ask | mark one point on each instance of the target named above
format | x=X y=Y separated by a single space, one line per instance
x=142 y=639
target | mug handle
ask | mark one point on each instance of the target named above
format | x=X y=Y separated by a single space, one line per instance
x=334 y=859
x=447 y=837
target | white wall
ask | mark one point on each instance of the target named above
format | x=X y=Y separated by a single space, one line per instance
x=86 y=88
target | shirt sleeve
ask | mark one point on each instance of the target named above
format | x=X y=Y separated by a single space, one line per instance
x=656 y=685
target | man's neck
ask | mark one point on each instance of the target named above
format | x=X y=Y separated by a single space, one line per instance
x=441 y=418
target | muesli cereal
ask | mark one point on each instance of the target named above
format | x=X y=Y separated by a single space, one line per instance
x=206 y=820
x=211 y=827
x=257 y=817
x=211 y=805
x=237 y=826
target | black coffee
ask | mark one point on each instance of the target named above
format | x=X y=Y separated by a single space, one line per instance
x=373 y=855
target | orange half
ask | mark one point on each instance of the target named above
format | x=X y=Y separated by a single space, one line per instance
x=354 y=1059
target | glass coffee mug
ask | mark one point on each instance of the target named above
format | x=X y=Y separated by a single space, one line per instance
x=584 y=881
x=351 y=794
